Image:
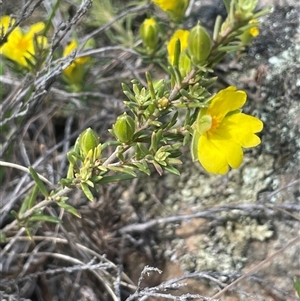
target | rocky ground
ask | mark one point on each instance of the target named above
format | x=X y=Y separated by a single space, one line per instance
x=241 y=235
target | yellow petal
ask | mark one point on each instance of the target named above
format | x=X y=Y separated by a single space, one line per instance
x=241 y=128
x=42 y=42
x=216 y=153
x=70 y=47
x=181 y=35
x=34 y=29
x=5 y=23
x=164 y=4
x=227 y=100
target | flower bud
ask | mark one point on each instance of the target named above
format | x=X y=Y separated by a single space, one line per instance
x=199 y=44
x=163 y=103
x=124 y=128
x=88 y=140
x=149 y=33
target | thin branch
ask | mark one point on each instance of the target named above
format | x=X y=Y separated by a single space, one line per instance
x=20 y=167
x=56 y=240
x=78 y=262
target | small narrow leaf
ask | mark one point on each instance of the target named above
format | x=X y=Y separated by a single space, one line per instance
x=194 y=146
x=158 y=168
x=123 y=169
x=86 y=190
x=38 y=181
x=115 y=178
x=69 y=208
x=150 y=85
x=29 y=201
x=172 y=170
x=297 y=285
x=45 y=218
x=142 y=167
x=28 y=233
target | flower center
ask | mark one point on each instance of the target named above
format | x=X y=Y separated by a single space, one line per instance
x=23 y=44
x=215 y=122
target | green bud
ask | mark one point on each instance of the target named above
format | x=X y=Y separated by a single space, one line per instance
x=88 y=140
x=124 y=128
x=184 y=64
x=149 y=33
x=199 y=44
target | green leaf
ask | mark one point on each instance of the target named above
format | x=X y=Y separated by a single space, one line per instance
x=49 y=19
x=178 y=76
x=194 y=146
x=86 y=190
x=158 y=168
x=150 y=85
x=186 y=139
x=65 y=182
x=115 y=178
x=2 y=237
x=44 y=218
x=143 y=167
x=141 y=151
x=28 y=233
x=227 y=5
x=156 y=123
x=297 y=285
x=128 y=93
x=172 y=121
x=15 y=214
x=38 y=181
x=172 y=170
x=69 y=208
x=217 y=27
x=29 y=200
x=154 y=142
x=123 y=169
x=174 y=161
x=176 y=53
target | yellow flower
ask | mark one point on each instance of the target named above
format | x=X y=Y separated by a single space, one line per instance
x=20 y=46
x=75 y=72
x=5 y=23
x=247 y=36
x=182 y=36
x=254 y=31
x=175 y=8
x=184 y=60
x=221 y=131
